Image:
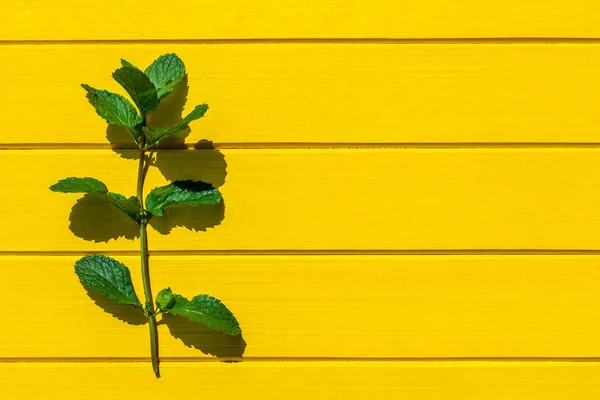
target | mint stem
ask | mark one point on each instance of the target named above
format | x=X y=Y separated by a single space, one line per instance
x=149 y=306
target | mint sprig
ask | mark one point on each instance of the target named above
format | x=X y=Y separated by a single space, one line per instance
x=108 y=276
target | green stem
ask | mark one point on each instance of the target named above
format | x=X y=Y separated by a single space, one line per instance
x=149 y=306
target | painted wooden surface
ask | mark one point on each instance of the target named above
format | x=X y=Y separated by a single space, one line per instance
x=410 y=199
x=292 y=380
x=243 y=19
x=322 y=93
x=318 y=307
x=307 y=200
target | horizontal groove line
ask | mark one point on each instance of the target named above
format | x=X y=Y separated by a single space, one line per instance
x=488 y=40
x=283 y=146
x=423 y=252
x=298 y=359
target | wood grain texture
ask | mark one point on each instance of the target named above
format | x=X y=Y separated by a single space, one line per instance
x=410 y=381
x=390 y=199
x=313 y=74
x=318 y=307
x=186 y=19
x=326 y=93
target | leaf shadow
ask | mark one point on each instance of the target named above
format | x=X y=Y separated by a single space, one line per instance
x=202 y=338
x=203 y=162
x=170 y=109
x=196 y=218
x=124 y=312
x=95 y=220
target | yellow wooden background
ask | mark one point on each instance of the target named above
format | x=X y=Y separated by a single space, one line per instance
x=412 y=199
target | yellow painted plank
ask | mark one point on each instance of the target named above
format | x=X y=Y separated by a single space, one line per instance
x=361 y=199
x=377 y=380
x=318 y=306
x=320 y=93
x=185 y=19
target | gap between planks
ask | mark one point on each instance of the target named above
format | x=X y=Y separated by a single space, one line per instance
x=310 y=41
x=308 y=146
x=366 y=252
x=207 y=359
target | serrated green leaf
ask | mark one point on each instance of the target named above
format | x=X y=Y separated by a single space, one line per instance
x=116 y=110
x=107 y=276
x=165 y=299
x=139 y=87
x=79 y=185
x=155 y=134
x=130 y=206
x=166 y=72
x=206 y=310
x=191 y=193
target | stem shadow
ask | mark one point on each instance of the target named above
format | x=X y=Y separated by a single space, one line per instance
x=124 y=312
x=202 y=338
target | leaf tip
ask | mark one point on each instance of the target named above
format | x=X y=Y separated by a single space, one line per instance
x=126 y=63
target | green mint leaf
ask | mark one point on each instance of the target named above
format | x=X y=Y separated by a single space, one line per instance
x=155 y=134
x=79 y=185
x=191 y=193
x=139 y=87
x=166 y=72
x=126 y=63
x=165 y=299
x=130 y=206
x=107 y=276
x=208 y=311
x=116 y=110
